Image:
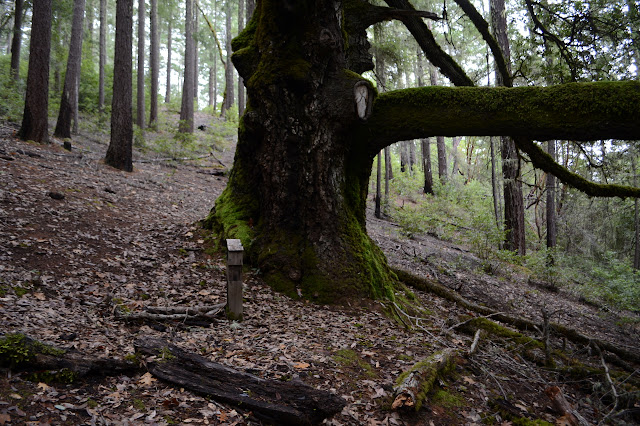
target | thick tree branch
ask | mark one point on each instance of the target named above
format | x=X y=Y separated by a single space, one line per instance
x=483 y=28
x=577 y=111
x=434 y=53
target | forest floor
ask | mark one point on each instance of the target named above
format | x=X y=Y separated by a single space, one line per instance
x=80 y=242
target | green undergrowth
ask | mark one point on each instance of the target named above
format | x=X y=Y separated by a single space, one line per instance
x=350 y=359
x=17 y=350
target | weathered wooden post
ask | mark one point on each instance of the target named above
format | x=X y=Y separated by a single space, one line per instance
x=235 y=253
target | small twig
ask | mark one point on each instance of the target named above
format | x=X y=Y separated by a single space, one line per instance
x=185 y=310
x=609 y=382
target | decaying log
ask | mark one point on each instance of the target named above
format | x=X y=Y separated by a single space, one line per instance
x=274 y=401
x=196 y=315
x=518 y=322
x=562 y=406
x=36 y=356
x=413 y=385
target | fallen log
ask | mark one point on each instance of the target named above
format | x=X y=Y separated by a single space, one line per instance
x=569 y=415
x=413 y=386
x=273 y=401
x=20 y=352
x=520 y=323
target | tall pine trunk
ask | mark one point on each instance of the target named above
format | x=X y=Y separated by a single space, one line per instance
x=241 y=101
x=16 y=42
x=140 y=104
x=102 y=54
x=551 y=200
x=35 y=124
x=167 y=96
x=70 y=89
x=154 y=64
x=228 y=74
x=120 y=150
x=425 y=145
x=186 y=110
x=196 y=56
x=513 y=201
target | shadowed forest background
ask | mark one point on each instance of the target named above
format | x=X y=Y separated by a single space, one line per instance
x=469 y=213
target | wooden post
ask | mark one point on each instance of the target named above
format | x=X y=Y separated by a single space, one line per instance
x=235 y=253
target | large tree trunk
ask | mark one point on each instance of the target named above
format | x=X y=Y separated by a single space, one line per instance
x=425 y=144
x=513 y=202
x=102 y=54
x=186 y=110
x=16 y=42
x=35 y=124
x=196 y=69
x=140 y=109
x=69 y=92
x=120 y=150
x=297 y=193
x=154 y=63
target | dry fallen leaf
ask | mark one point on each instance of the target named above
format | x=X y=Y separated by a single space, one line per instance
x=301 y=365
x=4 y=418
x=146 y=379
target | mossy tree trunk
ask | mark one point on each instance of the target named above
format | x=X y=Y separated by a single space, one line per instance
x=296 y=195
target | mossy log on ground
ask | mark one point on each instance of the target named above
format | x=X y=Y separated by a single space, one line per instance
x=522 y=324
x=413 y=386
x=273 y=401
x=20 y=352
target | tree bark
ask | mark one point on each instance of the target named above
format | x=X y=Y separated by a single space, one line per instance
x=196 y=56
x=551 y=200
x=241 y=102
x=273 y=401
x=140 y=104
x=35 y=125
x=513 y=201
x=497 y=205
x=154 y=63
x=120 y=150
x=378 y=213
x=212 y=81
x=297 y=193
x=167 y=96
x=69 y=91
x=228 y=72
x=425 y=144
x=16 y=42
x=102 y=54
x=186 y=110
x=636 y=220
x=387 y=175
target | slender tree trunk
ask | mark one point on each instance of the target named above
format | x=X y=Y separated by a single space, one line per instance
x=240 y=81
x=76 y=103
x=228 y=89
x=513 y=201
x=140 y=104
x=425 y=144
x=378 y=189
x=69 y=92
x=16 y=42
x=454 y=154
x=551 y=200
x=35 y=124
x=186 y=110
x=251 y=5
x=102 y=54
x=440 y=141
x=404 y=156
x=387 y=175
x=196 y=57
x=497 y=209
x=167 y=96
x=90 y=9
x=212 y=80
x=636 y=220
x=154 y=63
x=120 y=151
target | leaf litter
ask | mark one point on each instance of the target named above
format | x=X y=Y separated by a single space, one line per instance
x=130 y=240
